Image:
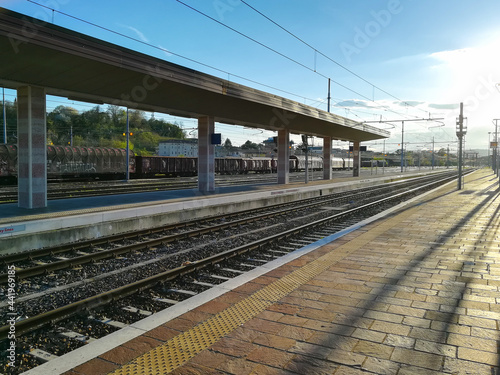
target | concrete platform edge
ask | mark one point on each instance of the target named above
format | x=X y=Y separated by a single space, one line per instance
x=74 y=226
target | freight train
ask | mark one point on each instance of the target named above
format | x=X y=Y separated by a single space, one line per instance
x=110 y=163
x=298 y=163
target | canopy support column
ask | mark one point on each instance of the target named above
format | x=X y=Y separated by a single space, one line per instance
x=356 y=156
x=283 y=156
x=206 y=155
x=327 y=158
x=31 y=147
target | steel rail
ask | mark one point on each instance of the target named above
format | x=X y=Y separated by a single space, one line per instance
x=34 y=254
x=92 y=191
x=60 y=313
x=105 y=254
x=145 y=245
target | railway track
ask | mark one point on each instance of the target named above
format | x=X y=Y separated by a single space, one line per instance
x=93 y=189
x=68 y=189
x=76 y=303
x=67 y=255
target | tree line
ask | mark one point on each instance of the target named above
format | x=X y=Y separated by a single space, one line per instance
x=99 y=127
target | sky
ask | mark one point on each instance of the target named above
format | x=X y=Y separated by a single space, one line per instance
x=388 y=60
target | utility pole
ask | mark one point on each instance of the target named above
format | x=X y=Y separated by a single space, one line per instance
x=448 y=157
x=495 y=148
x=490 y=164
x=402 y=144
x=328 y=108
x=432 y=153
x=383 y=163
x=402 y=131
x=461 y=131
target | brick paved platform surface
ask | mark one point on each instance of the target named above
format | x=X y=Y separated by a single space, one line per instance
x=414 y=293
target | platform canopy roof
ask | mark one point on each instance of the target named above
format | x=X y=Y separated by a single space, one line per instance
x=80 y=67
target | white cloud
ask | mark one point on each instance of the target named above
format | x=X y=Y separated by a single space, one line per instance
x=464 y=67
x=165 y=51
x=410 y=59
x=141 y=36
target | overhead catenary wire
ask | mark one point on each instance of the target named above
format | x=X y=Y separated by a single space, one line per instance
x=184 y=119
x=269 y=48
x=199 y=62
x=313 y=70
x=207 y=65
x=351 y=110
x=173 y=53
x=316 y=51
x=226 y=73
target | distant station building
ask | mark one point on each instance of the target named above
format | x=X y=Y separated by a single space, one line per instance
x=179 y=147
x=189 y=148
x=317 y=150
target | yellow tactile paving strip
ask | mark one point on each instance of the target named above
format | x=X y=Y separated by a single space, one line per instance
x=175 y=352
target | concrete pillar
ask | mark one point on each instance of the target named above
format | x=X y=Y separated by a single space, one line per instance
x=327 y=158
x=206 y=154
x=31 y=147
x=356 y=159
x=283 y=156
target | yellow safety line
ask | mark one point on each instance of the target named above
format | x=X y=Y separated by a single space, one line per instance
x=181 y=348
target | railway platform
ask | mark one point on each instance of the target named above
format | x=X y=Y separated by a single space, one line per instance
x=412 y=291
x=74 y=219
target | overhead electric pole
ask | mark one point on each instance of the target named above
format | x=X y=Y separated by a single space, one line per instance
x=403 y=131
x=433 y=153
x=448 y=157
x=402 y=144
x=495 y=148
x=461 y=131
x=329 y=97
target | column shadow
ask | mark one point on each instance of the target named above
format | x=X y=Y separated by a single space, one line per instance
x=458 y=288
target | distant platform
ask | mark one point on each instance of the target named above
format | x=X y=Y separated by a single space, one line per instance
x=74 y=219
